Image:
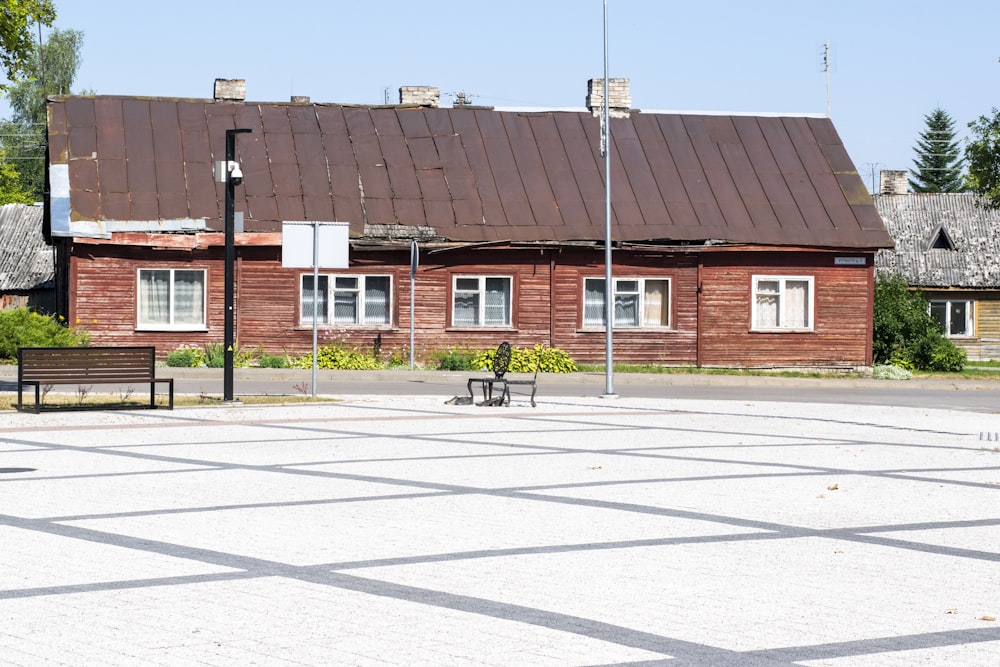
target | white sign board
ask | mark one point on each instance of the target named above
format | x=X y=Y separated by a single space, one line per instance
x=297 y=244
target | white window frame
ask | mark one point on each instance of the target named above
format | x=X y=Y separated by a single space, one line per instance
x=171 y=324
x=621 y=292
x=970 y=320
x=784 y=315
x=480 y=293
x=361 y=290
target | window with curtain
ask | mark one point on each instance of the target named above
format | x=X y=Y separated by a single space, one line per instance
x=171 y=299
x=481 y=301
x=639 y=302
x=355 y=300
x=782 y=302
x=955 y=317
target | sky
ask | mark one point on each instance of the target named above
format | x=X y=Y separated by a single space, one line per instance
x=890 y=63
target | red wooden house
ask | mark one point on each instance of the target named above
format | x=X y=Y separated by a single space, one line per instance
x=738 y=240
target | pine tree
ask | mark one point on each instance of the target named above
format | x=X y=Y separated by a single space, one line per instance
x=939 y=158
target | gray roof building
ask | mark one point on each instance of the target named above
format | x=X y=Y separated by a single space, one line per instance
x=26 y=262
x=943 y=240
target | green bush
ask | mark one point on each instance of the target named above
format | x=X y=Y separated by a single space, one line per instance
x=271 y=361
x=185 y=357
x=524 y=360
x=338 y=358
x=22 y=327
x=904 y=334
x=456 y=360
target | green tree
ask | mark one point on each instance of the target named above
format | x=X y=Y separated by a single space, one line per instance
x=23 y=137
x=982 y=152
x=10 y=185
x=905 y=334
x=939 y=157
x=17 y=18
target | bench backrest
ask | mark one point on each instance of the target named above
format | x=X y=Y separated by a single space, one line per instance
x=76 y=364
x=501 y=360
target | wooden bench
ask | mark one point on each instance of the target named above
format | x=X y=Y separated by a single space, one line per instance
x=88 y=365
x=501 y=364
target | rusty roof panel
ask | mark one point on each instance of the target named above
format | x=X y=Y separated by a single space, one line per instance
x=290 y=208
x=83 y=175
x=285 y=178
x=260 y=208
x=664 y=173
x=112 y=175
x=318 y=207
x=378 y=211
x=145 y=205
x=281 y=148
x=116 y=206
x=79 y=112
x=409 y=211
x=433 y=185
x=110 y=130
x=423 y=153
x=172 y=206
x=474 y=174
x=302 y=120
x=170 y=178
x=83 y=142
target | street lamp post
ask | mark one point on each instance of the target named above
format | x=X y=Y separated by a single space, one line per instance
x=609 y=291
x=232 y=180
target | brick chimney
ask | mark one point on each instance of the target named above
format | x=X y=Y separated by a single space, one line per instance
x=421 y=96
x=619 y=97
x=230 y=90
x=893 y=182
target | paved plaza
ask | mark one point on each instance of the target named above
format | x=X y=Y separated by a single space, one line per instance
x=380 y=530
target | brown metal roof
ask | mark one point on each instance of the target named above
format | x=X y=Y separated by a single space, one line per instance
x=470 y=174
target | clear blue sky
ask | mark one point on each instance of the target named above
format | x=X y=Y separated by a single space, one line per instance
x=892 y=62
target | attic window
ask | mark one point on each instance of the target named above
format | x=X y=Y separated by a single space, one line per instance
x=941 y=240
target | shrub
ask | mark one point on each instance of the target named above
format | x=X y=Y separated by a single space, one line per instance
x=22 y=327
x=338 y=358
x=271 y=361
x=185 y=357
x=215 y=355
x=905 y=334
x=524 y=360
x=456 y=360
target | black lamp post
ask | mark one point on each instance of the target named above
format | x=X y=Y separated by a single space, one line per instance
x=232 y=180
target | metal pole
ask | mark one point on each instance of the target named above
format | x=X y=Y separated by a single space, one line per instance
x=316 y=304
x=609 y=291
x=229 y=342
x=414 y=262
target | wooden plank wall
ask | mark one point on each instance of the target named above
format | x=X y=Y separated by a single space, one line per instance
x=548 y=299
x=842 y=319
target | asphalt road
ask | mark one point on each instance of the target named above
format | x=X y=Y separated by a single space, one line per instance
x=966 y=395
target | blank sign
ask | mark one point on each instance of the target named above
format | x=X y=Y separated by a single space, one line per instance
x=297 y=244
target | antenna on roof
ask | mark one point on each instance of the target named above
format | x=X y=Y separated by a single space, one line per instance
x=462 y=99
x=826 y=68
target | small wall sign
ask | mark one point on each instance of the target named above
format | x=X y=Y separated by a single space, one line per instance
x=849 y=261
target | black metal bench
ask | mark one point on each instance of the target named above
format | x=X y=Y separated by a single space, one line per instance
x=501 y=364
x=88 y=365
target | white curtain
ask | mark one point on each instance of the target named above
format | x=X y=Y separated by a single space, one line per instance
x=189 y=297
x=796 y=304
x=154 y=297
x=593 y=302
x=654 y=305
x=497 y=302
x=767 y=304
